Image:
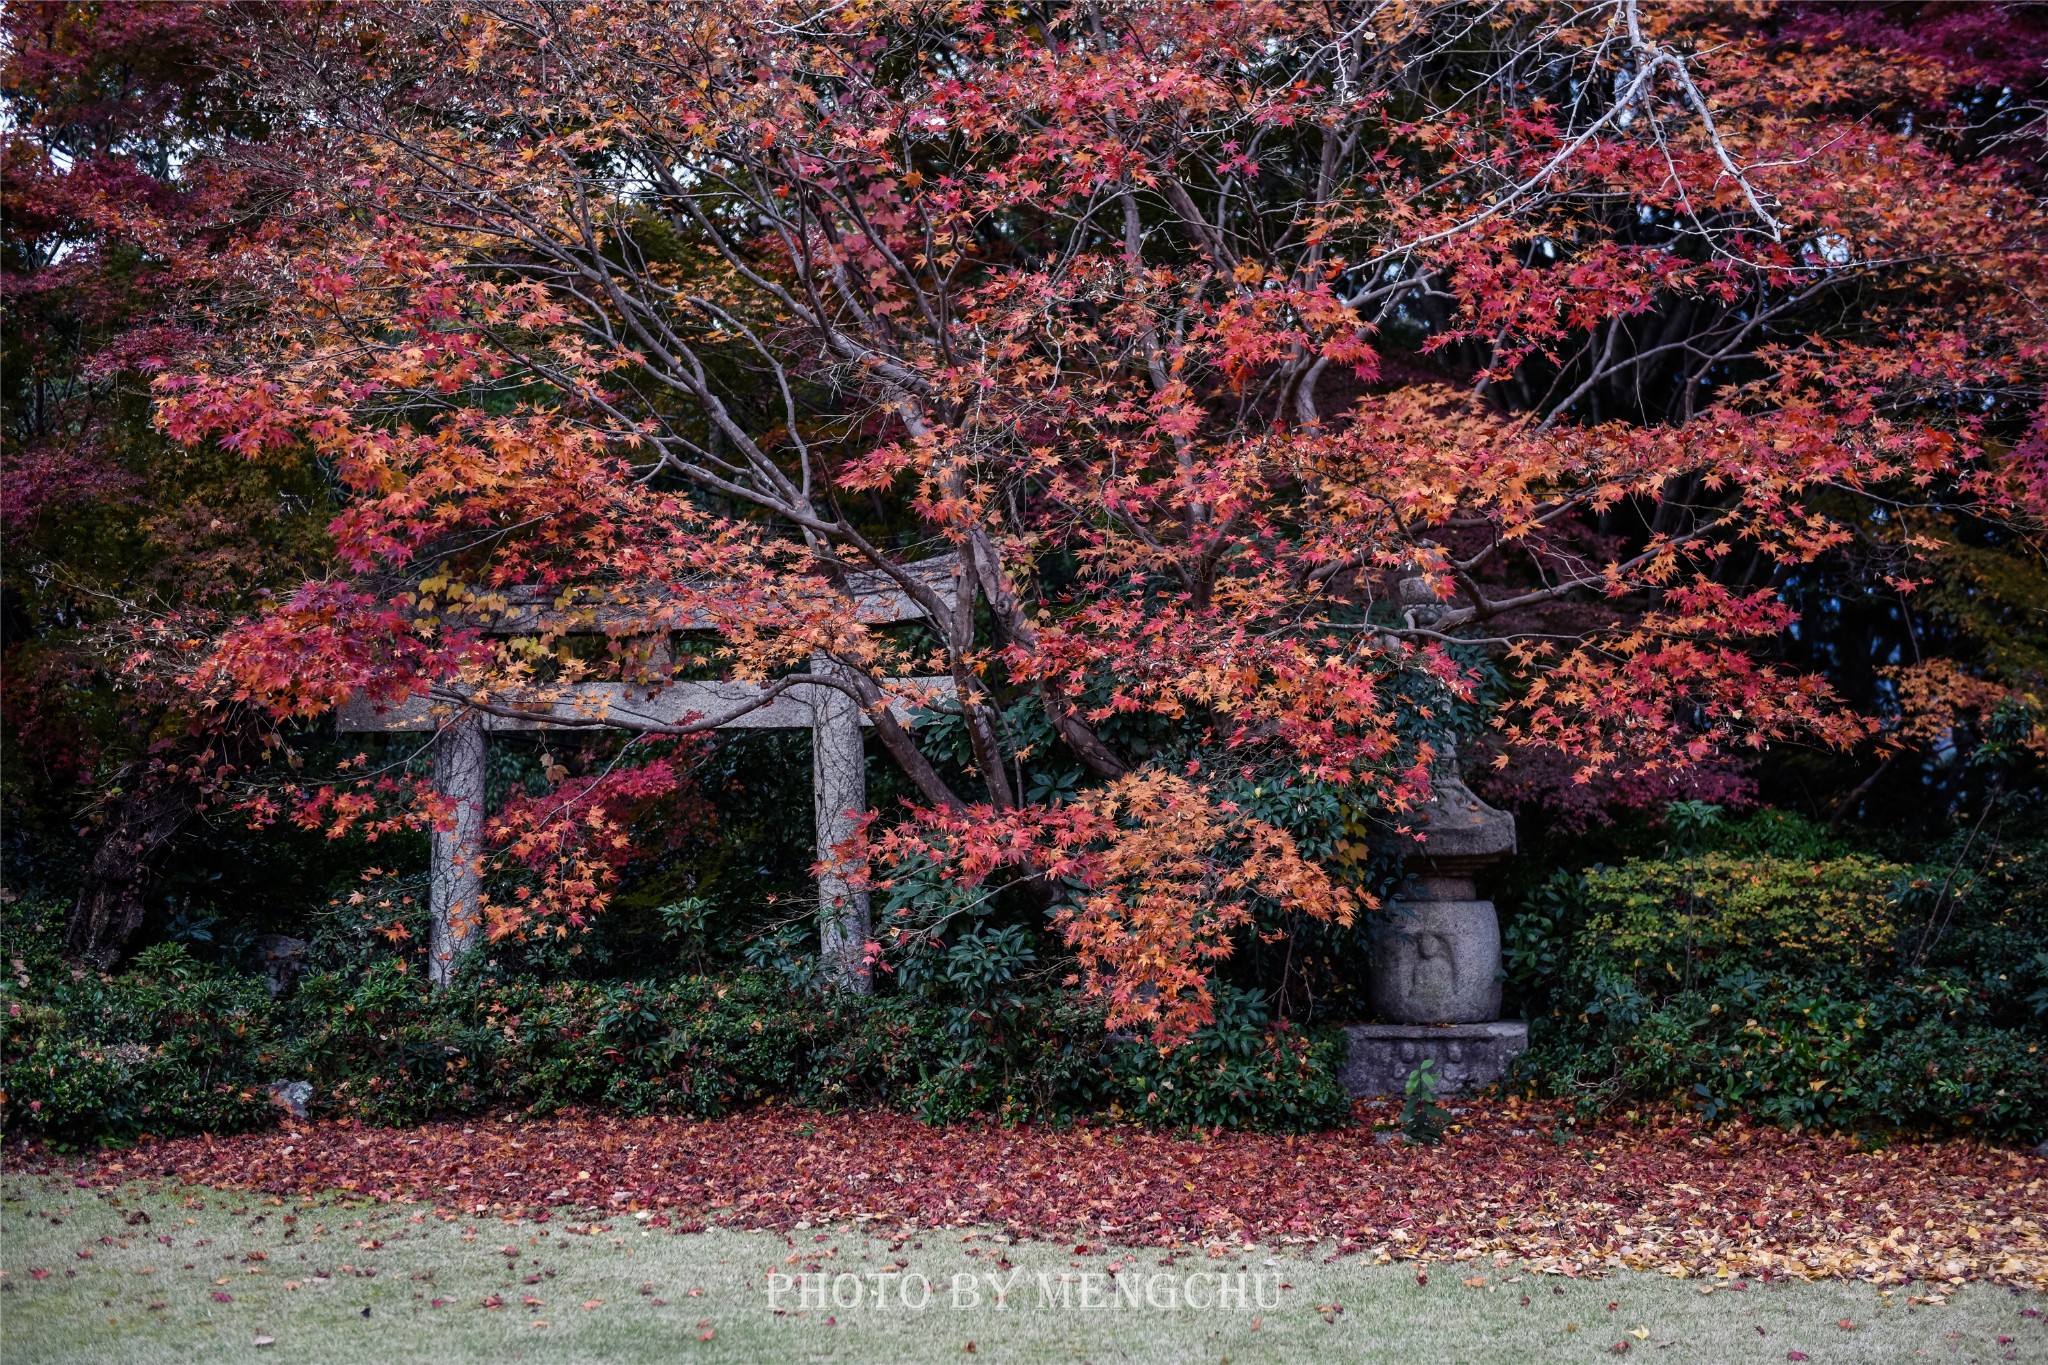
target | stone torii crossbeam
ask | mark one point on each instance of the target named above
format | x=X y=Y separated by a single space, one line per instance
x=838 y=762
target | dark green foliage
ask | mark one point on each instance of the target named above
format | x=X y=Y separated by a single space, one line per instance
x=380 y=1047
x=1240 y=1072
x=1806 y=987
x=174 y=1044
x=171 y=1045
x=1045 y=1061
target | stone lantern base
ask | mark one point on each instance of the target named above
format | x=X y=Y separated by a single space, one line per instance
x=1468 y=1057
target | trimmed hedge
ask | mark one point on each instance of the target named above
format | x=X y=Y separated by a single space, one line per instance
x=1803 y=992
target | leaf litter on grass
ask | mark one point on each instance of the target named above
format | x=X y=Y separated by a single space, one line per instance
x=1665 y=1192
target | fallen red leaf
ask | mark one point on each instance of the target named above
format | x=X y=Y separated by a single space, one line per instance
x=1675 y=1194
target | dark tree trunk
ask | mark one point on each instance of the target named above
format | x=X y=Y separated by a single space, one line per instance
x=110 y=898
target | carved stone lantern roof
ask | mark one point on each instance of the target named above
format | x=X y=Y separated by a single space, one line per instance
x=1461 y=833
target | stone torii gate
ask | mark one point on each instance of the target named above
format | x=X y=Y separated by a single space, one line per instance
x=838 y=763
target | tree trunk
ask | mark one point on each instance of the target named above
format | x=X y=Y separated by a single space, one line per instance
x=110 y=899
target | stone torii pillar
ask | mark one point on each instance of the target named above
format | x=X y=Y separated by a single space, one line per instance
x=839 y=797
x=455 y=887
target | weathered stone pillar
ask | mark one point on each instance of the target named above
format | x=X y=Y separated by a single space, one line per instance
x=839 y=797
x=456 y=881
x=1436 y=970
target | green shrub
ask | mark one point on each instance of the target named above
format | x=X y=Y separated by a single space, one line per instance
x=1813 y=993
x=386 y=1050
x=381 y=1047
x=1938 y=1074
x=1239 y=1072
x=1666 y=924
x=1041 y=1058
x=170 y=1045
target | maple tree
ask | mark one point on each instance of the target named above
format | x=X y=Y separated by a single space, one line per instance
x=1288 y=384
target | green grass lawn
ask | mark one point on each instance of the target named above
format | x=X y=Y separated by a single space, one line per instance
x=208 y=1276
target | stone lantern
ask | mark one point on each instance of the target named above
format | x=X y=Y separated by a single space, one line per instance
x=1436 y=971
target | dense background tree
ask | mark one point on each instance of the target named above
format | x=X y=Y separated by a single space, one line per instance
x=126 y=554
x=131 y=196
